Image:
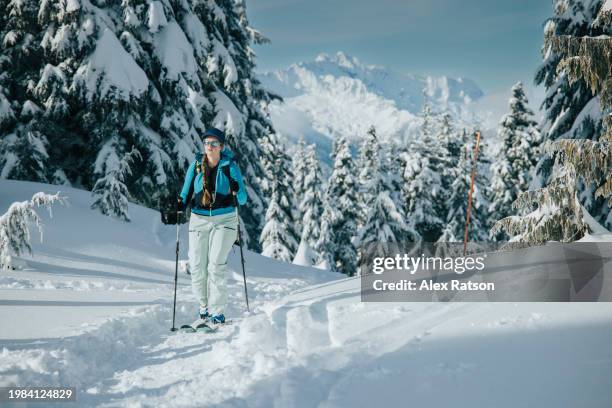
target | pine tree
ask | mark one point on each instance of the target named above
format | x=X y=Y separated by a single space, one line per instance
x=325 y=246
x=448 y=137
x=367 y=168
x=572 y=106
x=111 y=194
x=299 y=176
x=384 y=223
x=558 y=215
x=428 y=118
x=276 y=240
x=423 y=191
x=589 y=59
x=397 y=154
x=482 y=185
x=340 y=211
x=7 y=114
x=516 y=157
x=279 y=176
x=26 y=154
x=454 y=231
x=578 y=153
x=312 y=205
x=449 y=152
x=23 y=147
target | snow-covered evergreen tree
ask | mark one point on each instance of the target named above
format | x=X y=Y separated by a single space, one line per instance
x=558 y=216
x=517 y=155
x=482 y=184
x=384 y=223
x=80 y=78
x=367 y=168
x=111 y=194
x=454 y=231
x=577 y=74
x=14 y=225
x=279 y=176
x=589 y=59
x=312 y=204
x=23 y=142
x=300 y=169
x=564 y=102
x=572 y=107
x=423 y=192
x=428 y=119
x=340 y=212
x=449 y=138
x=276 y=240
x=325 y=246
x=449 y=152
x=26 y=156
x=397 y=153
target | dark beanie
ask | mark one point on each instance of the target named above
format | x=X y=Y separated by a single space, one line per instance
x=215 y=133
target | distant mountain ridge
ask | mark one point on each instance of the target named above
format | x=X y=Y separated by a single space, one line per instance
x=406 y=90
x=338 y=95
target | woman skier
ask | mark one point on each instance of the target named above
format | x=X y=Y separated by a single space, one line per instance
x=212 y=180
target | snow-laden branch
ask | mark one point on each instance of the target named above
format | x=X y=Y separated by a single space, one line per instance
x=14 y=225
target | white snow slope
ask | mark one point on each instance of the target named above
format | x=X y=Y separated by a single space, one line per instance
x=92 y=309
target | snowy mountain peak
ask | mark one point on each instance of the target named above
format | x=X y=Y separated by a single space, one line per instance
x=341 y=59
x=405 y=90
x=337 y=95
x=449 y=90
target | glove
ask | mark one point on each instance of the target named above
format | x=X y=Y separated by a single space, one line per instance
x=234 y=186
x=180 y=203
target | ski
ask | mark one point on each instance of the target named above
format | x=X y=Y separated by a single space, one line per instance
x=202 y=327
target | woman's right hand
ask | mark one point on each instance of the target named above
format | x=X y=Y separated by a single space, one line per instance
x=234 y=186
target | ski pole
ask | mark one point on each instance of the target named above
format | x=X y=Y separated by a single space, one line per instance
x=176 y=267
x=246 y=295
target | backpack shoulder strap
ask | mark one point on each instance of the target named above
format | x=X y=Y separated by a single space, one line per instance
x=198 y=161
x=231 y=160
x=226 y=170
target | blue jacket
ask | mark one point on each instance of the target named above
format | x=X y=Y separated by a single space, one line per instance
x=222 y=185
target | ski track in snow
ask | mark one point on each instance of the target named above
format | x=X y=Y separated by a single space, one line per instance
x=117 y=360
x=302 y=349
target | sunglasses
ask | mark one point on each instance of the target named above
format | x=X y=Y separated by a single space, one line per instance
x=212 y=143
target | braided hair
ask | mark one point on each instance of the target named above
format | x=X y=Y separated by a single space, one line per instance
x=207 y=194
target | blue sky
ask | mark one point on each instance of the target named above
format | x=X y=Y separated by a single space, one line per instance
x=494 y=42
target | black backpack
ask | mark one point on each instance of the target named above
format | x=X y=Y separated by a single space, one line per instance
x=226 y=171
x=169 y=215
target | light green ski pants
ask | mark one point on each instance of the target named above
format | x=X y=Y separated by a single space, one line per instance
x=210 y=240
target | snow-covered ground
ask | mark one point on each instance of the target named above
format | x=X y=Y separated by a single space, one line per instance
x=93 y=306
